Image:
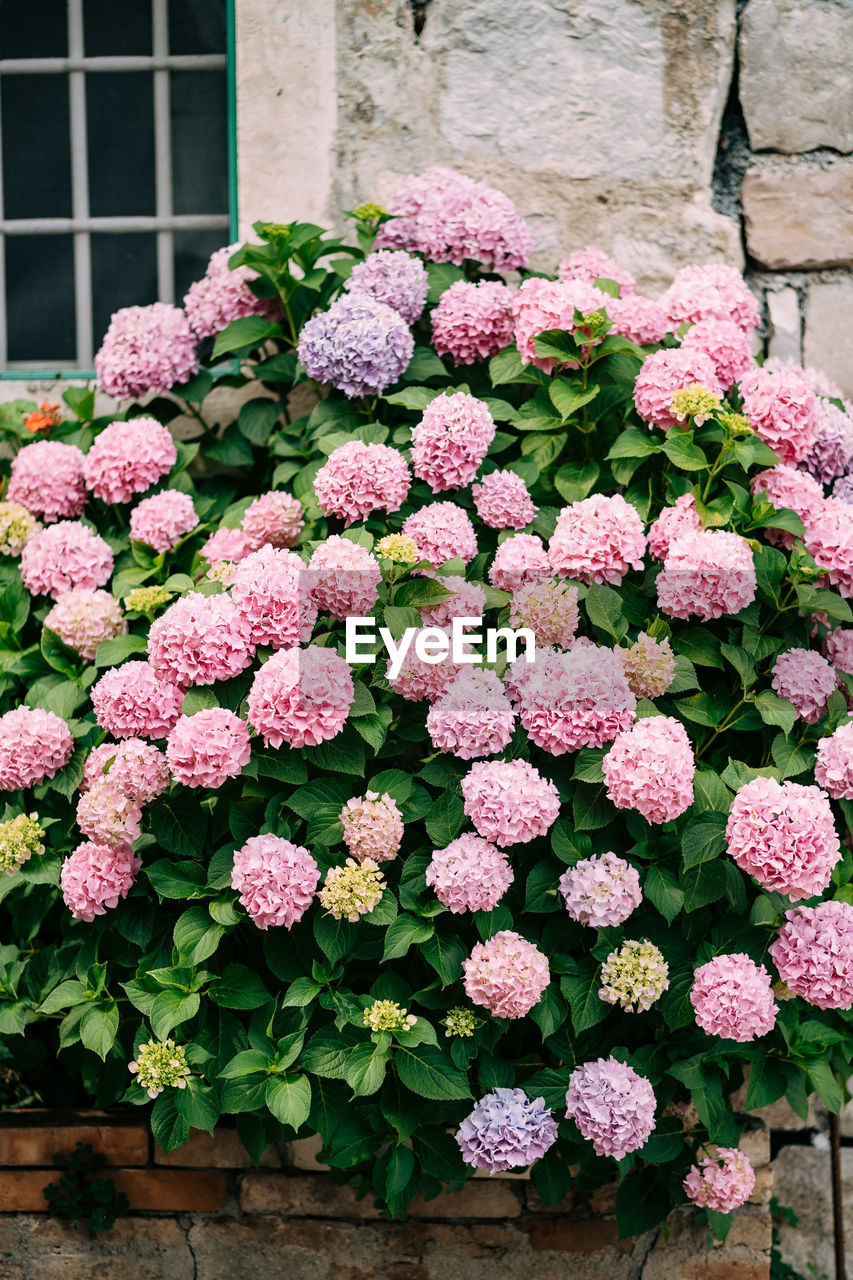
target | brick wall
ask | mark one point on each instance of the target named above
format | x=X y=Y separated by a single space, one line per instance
x=202 y=1213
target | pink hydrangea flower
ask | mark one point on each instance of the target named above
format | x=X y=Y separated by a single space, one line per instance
x=137 y=768
x=838 y=647
x=469 y=874
x=721 y=1184
x=521 y=674
x=597 y=540
x=650 y=768
x=64 y=556
x=503 y=501
x=713 y=291
x=831 y=453
x=782 y=410
x=506 y=974
x=673 y=522
x=223 y=295
x=814 y=954
x=134 y=701
x=591 y=264
x=448 y=217
x=542 y=304
x=783 y=835
x=829 y=538
x=665 y=372
x=549 y=609
x=94 y=878
x=612 y=1106
x=34 y=744
x=276 y=518
x=83 y=618
x=395 y=278
x=638 y=319
x=276 y=880
x=373 y=827
x=108 y=815
x=146 y=349
x=580 y=698
x=226 y=546
x=806 y=679
x=520 y=559
x=451 y=440
x=467 y=601
x=472 y=321
x=200 y=639
x=834 y=764
x=473 y=717
x=208 y=748
x=127 y=458
x=509 y=801
x=162 y=520
x=726 y=343
x=709 y=574
x=344 y=579
x=649 y=666
x=272 y=598
x=789 y=489
x=442 y=531
x=416 y=679
x=732 y=997
x=301 y=696
x=358 y=479
x=47 y=479
x=601 y=891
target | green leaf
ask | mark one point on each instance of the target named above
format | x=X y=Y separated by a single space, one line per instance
x=112 y=652
x=552 y=1176
x=416 y=398
x=590 y=808
x=402 y=933
x=257 y=419
x=581 y=990
x=289 y=1099
x=710 y=792
x=567 y=399
x=249 y=331
x=334 y=937
x=445 y=955
x=430 y=1073
x=398 y=1171
x=702 y=884
x=446 y=819
x=59 y=655
x=364 y=1071
x=438 y=1153
x=249 y=1062
x=168 y=1126
x=507 y=367
x=179 y=825
x=99 y=1027
x=420 y=593
x=633 y=443
x=823 y=1079
x=177 y=879
x=196 y=935
x=588 y=765
x=238 y=988
x=642 y=1203
x=574 y=480
x=604 y=610
x=767 y=1083
x=300 y=993
x=684 y=454
x=667 y=1141
x=663 y=891
x=326 y=1053
x=198 y=1104
x=703 y=839
x=776 y=710
x=170 y=1009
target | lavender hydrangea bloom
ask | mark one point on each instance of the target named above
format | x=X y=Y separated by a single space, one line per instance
x=832 y=451
x=506 y=1130
x=359 y=345
x=843 y=488
x=395 y=278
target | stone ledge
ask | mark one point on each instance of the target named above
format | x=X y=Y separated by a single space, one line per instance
x=800 y=216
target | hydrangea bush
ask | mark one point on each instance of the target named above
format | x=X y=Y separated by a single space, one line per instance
x=453 y=915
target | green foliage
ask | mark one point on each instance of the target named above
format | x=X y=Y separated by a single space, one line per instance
x=80 y=1196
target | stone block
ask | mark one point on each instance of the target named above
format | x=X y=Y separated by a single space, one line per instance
x=577 y=1235
x=221 y=1150
x=802 y=1183
x=493 y=1199
x=785 y=342
x=302 y=1154
x=799 y=215
x=173 y=1190
x=828 y=343
x=36 y=1144
x=22 y=1190
x=134 y=1249
x=682 y=1252
x=795 y=83
x=303 y=1195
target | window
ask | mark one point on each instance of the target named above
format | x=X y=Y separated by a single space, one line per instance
x=114 y=166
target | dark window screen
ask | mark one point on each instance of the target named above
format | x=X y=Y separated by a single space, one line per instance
x=199 y=107
x=33 y=31
x=36 y=142
x=110 y=28
x=120 y=129
x=40 y=298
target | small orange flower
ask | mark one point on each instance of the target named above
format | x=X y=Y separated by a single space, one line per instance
x=49 y=415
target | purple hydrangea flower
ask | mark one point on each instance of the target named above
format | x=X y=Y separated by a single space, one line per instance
x=359 y=345
x=395 y=278
x=832 y=451
x=506 y=1130
x=843 y=488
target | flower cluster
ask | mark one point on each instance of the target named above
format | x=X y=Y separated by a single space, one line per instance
x=272 y=603
x=540 y=305
x=506 y=974
x=732 y=997
x=347 y=579
x=650 y=768
x=276 y=880
x=47 y=479
x=200 y=639
x=472 y=321
x=833 y=768
x=509 y=801
x=783 y=835
x=387 y=1015
x=549 y=609
x=782 y=410
x=461 y=1022
x=503 y=501
x=352 y=890
x=672 y=523
x=506 y=1130
x=360 y=345
x=21 y=838
x=34 y=744
x=276 y=518
x=146 y=350
x=163 y=520
x=127 y=458
x=373 y=827
x=663 y=374
x=612 y=1106
x=208 y=748
x=159 y=1065
x=602 y=890
x=521 y=559
x=301 y=697
x=84 y=618
x=451 y=440
x=598 y=540
x=17 y=526
x=94 y=878
x=64 y=556
x=108 y=815
x=392 y=277
x=469 y=874
x=713 y=291
x=814 y=954
x=223 y=295
x=721 y=1184
x=634 y=976
x=134 y=701
x=361 y=478
x=806 y=679
x=578 y=699
x=707 y=574
x=649 y=666
x=473 y=716
x=442 y=531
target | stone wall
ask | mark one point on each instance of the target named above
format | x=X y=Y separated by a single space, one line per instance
x=201 y=1213
x=665 y=131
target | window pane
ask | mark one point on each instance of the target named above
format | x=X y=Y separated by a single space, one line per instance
x=192 y=254
x=40 y=298
x=30 y=32
x=199 y=141
x=120 y=115
x=196 y=26
x=36 y=147
x=124 y=274
x=110 y=28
